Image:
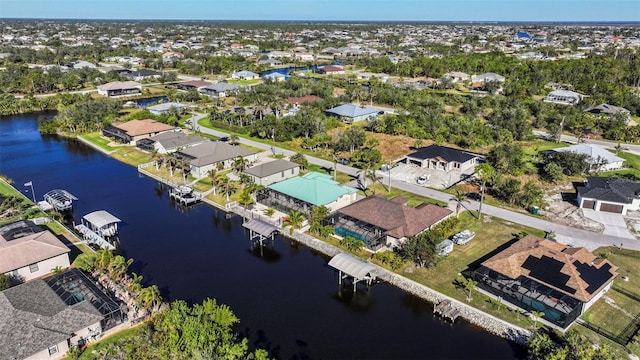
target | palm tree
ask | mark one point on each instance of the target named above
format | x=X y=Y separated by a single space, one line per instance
x=103 y=258
x=459 y=198
x=234 y=139
x=246 y=199
x=537 y=315
x=150 y=297
x=118 y=266
x=269 y=211
x=294 y=220
x=228 y=187
x=239 y=164
x=135 y=285
x=469 y=285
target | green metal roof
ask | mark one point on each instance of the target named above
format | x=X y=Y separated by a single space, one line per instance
x=314 y=188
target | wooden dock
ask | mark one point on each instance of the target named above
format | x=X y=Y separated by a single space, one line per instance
x=446 y=310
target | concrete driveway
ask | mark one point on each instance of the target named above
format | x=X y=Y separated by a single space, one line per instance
x=614 y=224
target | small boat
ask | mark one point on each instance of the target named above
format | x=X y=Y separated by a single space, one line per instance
x=60 y=200
x=184 y=195
x=444 y=248
x=463 y=237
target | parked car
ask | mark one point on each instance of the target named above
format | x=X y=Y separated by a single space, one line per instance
x=224 y=138
x=422 y=179
x=463 y=237
x=343 y=161
x=474 y=196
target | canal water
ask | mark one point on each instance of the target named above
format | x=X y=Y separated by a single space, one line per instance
x=287 y=300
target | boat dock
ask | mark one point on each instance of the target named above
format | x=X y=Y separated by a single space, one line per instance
x=184 y=195
x=91 y=237
x=60 y=200
x=446 y=310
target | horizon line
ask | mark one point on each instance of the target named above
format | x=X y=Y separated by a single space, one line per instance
x=620 y=22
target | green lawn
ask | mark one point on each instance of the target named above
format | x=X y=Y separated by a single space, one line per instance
x=131 y=155
x=631 y=162
x=492 y=235
x=243 y=82
x=97 y=139
x=93 y=350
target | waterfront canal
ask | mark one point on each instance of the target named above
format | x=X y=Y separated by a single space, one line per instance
x=287 y=300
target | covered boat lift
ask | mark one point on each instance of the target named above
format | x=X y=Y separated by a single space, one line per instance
x=260 y=231
x=353 y=267
x=102 y=223
x=60 y=200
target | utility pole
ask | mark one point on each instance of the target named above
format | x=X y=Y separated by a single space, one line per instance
x=481 y=199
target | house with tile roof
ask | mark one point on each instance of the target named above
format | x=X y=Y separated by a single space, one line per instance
x=28 y=252
x=273 y=171
x=542 y=275
x=213 y=154
x=192 y=85
x=616 y=195
x=302 y=193
x=382 y=223
x=351 y=113
x=131 y=131
x=307 y=99
x=442 y=158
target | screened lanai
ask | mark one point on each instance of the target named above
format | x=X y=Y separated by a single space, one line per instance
x=344 y=225
x=283 y=202
x=73 y=287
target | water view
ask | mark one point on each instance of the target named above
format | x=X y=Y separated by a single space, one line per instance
x=287 y=299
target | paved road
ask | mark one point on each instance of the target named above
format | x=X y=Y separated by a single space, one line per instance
x=564 y=234
x=631 y=148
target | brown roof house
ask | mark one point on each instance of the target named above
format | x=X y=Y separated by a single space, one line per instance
x=542 y=275
x=131 y=131
x=380 y=222
x=27 y=252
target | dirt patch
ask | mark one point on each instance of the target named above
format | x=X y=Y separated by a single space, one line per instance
x=393 y=147
x=564 y=212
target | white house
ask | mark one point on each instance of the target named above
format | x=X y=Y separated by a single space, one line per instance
x=31 y=256
x=616 y=195
x=565 y=97
x=120 y=88
x=272 y=172
x=244 y=75
x=599 y=158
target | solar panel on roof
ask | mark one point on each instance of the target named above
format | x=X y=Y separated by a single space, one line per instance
x=548 y=270
x=592 y=275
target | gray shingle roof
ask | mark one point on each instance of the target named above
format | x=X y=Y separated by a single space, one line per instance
x=437 y=151
x=33 y=317
x=212 y=152
x=270 y=168
x=617 y=190
x=175 y=139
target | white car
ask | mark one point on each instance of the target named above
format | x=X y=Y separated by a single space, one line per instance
x=422 y=179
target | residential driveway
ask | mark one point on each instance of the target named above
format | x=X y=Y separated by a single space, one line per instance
x=437 y=179
x=614 y=224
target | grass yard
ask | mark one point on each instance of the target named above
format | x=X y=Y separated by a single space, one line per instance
x=131 y=155
x=243 y=82
x=412 y=199
x=93 y=350
x=492 y=236
x=631 y=162
x=97 y=139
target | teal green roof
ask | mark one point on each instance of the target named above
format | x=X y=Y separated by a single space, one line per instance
x=314 y=188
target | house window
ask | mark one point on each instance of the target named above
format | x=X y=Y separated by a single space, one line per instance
x=282 y=174
x=53 y=349
x=33 y=268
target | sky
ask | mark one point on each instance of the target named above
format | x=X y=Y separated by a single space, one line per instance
x=337 y=10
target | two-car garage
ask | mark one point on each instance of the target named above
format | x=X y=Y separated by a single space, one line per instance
x=602 y=206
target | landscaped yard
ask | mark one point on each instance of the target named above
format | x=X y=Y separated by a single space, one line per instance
x=97 y=139
x=243 y=82
x=93 y=351
x=132 y=156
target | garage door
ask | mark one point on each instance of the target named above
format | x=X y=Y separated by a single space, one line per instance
x=588 y=204
x=611 y=208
